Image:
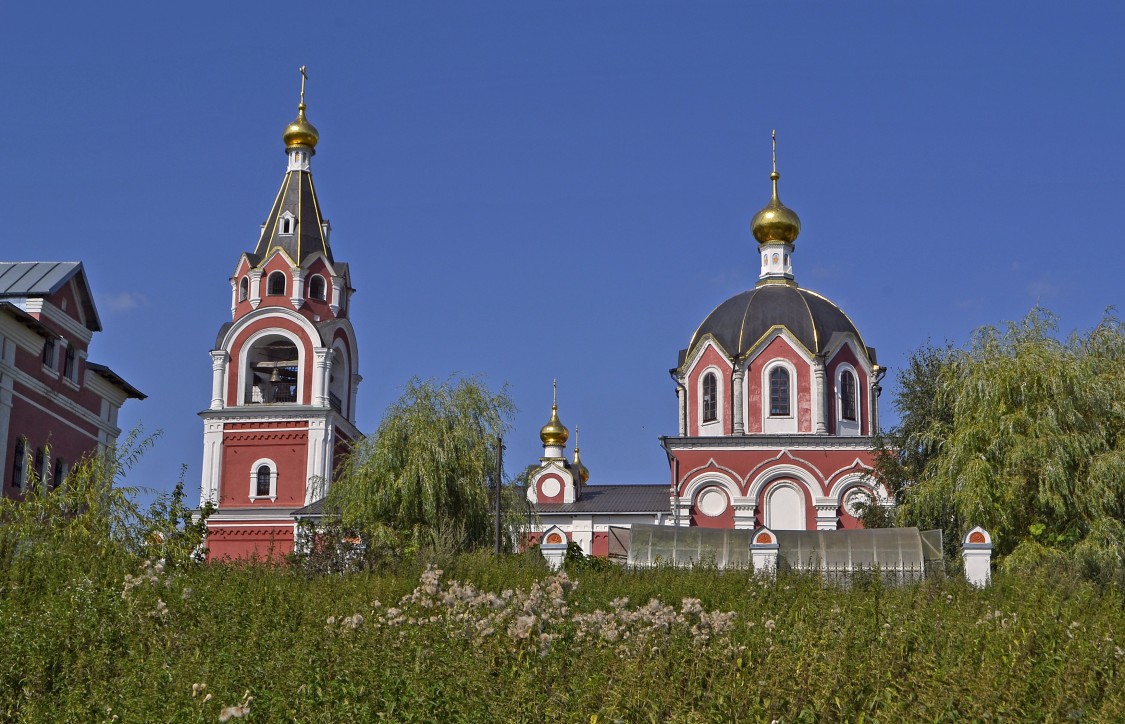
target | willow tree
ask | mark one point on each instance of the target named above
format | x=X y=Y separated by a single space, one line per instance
x=1021 y=432
x=426 y=476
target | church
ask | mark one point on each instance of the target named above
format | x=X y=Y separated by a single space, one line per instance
x=777 y=399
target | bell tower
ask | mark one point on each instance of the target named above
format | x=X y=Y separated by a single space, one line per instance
x=284 y=371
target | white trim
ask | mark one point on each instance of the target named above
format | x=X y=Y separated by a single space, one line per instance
x=779 y=424
x=846 y=427
x=713 y=427
x=782 y=471
x=250 y=342
x=286 y=223
x=40 y=306
x=254 y=479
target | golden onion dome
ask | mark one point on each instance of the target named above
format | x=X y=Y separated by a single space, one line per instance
x=583 y=471
x=776 y=222
x=554 y=433
x=300 y=132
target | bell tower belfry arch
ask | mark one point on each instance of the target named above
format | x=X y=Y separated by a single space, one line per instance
x=284 y=371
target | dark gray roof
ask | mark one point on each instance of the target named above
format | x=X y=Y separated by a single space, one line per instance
x=297 y=196
x=741 y=321
x=115 y=379
x=44 y=278
x=314 y=509
x=614 y=499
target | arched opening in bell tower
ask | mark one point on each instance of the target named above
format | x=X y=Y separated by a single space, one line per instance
x=272 y=371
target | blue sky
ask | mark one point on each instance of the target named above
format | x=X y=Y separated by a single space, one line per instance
x=533 y=190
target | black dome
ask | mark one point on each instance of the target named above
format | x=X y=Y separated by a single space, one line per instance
x=739 y=323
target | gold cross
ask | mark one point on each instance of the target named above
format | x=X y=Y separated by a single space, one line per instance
x=304 y=77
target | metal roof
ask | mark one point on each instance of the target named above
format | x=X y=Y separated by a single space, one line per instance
x=614 y=499
x=44 y=278
x=115 y=379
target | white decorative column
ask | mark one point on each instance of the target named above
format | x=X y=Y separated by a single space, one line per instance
x=681 y=399
x=764 y=551
x=826 y=517
x=736 y=402
x=316 y=471
x=337 y=293
x=255 y=288
x=219 y=360
x=233 y=295
x=212 y=462
x=744 y=512
x=322 y=363
x=820 y=389
x=976 y=551
x=297 y=298
x=356 y=379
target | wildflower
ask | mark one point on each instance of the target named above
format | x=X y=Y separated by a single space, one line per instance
x=521 y=628
x=770 y=625
x=353 y=622
x=331 y=620
x=197 y=689
x=186 y=594
x=691 y=606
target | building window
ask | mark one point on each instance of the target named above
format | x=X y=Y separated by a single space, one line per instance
x=272 y=372
x=49 y=353
x=41 y=465
x=286 y=224
x=70 y=370
x=243 y=289
x=779 y=392
x=847 y=396
x=19 y=464
x=263 y=479
x=316 y=287
x=59 y=474
x=276 y=284
x=710 y=397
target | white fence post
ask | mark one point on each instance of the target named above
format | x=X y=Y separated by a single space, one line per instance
x=763 y=551
x=976 y=550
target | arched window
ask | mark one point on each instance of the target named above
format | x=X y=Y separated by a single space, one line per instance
x=710 y=397
x=41 y=465
x=243 y=289
x=779 y=392
x=847 y=396
x=272 y=373
x=60 y=473
x=263 y=479
x=276 y=284
x=316 y=287
x=286 y=224
x=19 y=464
x=785 y=509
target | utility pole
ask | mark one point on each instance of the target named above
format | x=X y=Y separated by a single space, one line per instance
x=499 y=477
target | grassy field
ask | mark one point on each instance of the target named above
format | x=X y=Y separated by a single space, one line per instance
x=98 y=635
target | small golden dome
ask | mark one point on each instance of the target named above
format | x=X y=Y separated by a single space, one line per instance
x=583 y=471
x=554 y=433
x=776 y=222
x=300 y=132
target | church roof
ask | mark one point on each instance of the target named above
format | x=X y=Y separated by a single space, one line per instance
x=44 y=278
x=740 y=322
x=296 y=200
x=614 y=499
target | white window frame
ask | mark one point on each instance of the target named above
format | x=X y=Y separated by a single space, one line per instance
x=714 y=426
x=244 y=288
x=254 y=480
x=779 y=423
x=286 y=224
x=847 y=427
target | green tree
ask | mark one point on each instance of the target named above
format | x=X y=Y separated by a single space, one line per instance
x=1020 y=432
x=425 y=478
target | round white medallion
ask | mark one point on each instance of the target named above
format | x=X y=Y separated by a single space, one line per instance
x=711 y=502
x=855 y=498
x=550 y=487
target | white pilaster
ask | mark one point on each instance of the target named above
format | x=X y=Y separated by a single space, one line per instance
x=736 y=402
x=582 y=533
x=337 y=292
x=356 y=379
x=820 y=392
x=826 y=517
x=212 y=462
x=219 y=359
x=297 y=299
x=255 y=288
x=744 y=512
x=681 y=399
x=233 y=295
x=321 y=365
x=317 y=470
